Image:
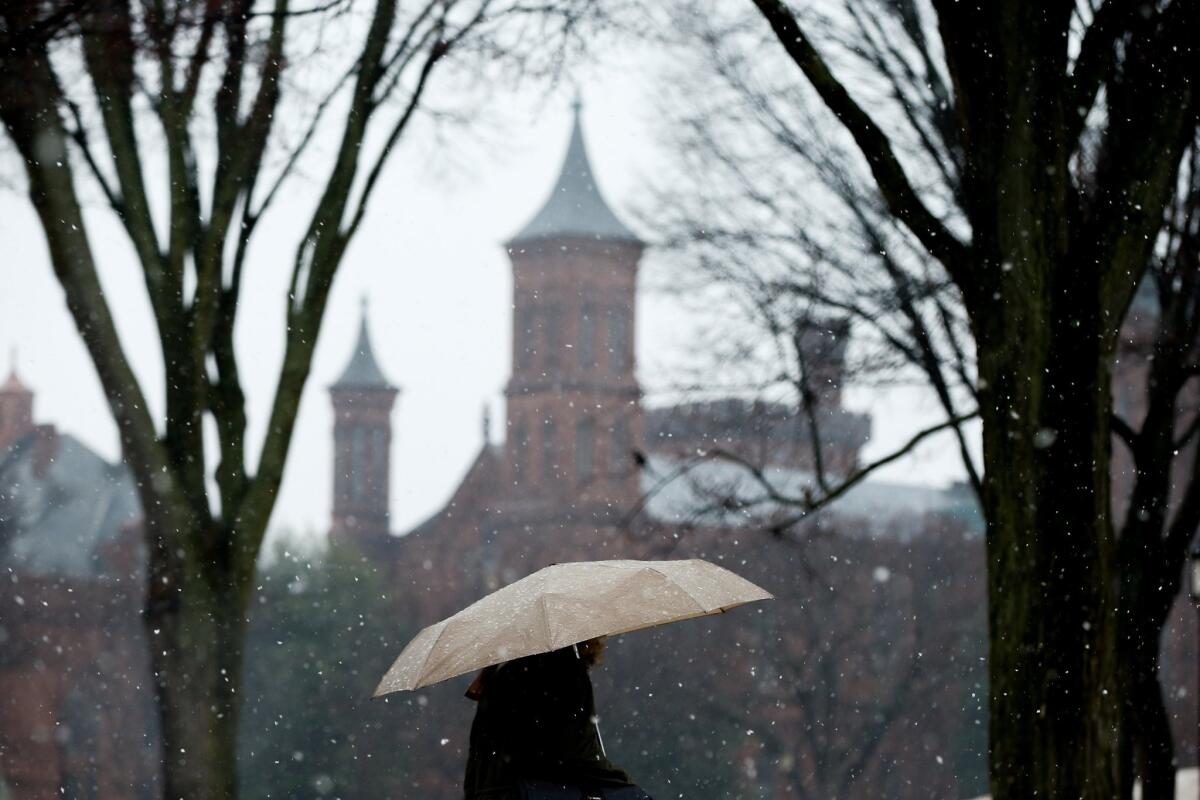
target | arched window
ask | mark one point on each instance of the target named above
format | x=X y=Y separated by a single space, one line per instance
x=618 y=340
x=585 y=449
x=358 y=462
x=552 y=340
x=587 y=338
x=525 y=342
x=343 y=466
x=378 y=464
x=549 y=450
x=620 y=454
x=520 y=440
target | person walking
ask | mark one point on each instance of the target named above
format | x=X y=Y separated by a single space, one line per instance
x=535 y=735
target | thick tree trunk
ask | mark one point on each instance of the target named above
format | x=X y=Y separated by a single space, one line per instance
x=1148 y=746
x=1045 y=402
x=1146 y=597
x=1155 y=742
x=195 y=619
x=1151 y=565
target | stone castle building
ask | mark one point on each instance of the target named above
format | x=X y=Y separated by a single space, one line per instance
x=579 y=449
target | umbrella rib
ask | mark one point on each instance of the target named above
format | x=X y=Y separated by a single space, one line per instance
x=681 y=588
x=546 y=621
x=428 y=655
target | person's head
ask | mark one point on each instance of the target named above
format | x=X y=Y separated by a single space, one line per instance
x=592 y=651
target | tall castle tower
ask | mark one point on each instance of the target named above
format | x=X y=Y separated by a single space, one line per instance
x=574 y=412
x=362 y=436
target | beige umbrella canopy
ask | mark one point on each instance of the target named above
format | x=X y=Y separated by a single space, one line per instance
x=562 y=605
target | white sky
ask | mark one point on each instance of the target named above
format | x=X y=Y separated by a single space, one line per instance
x=430 y=260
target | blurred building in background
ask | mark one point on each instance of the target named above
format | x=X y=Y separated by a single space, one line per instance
x=76 y=712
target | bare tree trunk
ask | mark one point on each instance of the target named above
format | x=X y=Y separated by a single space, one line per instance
x=1152 y=554
x=195 y=620
x=1054 y=714
x=1153 y=732
x=1147 y=593
x=1148 y=745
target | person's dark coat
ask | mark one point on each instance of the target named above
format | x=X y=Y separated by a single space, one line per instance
x=536 y=721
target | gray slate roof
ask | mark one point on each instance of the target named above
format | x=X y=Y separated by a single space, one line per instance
x=575 y=208
x=57 y=521
x=363 y=370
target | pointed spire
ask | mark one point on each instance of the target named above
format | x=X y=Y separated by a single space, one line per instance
x=14 y=384
x=575 y=208
x=363 y=370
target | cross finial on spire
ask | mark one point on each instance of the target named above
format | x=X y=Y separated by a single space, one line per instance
x=363 y=302
x=577 y=103
x=487 y=424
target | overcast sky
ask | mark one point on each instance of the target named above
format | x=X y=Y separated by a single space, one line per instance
x=430 y=260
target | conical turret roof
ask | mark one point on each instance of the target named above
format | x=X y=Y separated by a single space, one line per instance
x=575 y=208
x=363 y=370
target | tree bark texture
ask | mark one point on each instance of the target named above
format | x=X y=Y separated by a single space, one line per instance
x=1152 y=554
x=1055 y=252
x=195 y=621
x=1052 y=669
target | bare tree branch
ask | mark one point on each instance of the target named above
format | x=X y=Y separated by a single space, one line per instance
x=897 y=192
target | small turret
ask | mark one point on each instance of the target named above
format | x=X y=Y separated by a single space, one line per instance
x=362 y=435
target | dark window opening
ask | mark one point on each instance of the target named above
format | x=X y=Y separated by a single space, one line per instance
x=587 y=338
x=618 y=340
x=549 y=450
x=520 y=439
x=585 y=447
x=619 y=455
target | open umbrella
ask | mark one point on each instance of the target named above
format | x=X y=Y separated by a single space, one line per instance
x=562 y=605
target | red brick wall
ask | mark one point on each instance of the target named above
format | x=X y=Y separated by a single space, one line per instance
x=360 y=514
x=75 y=712
x=573 y=370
